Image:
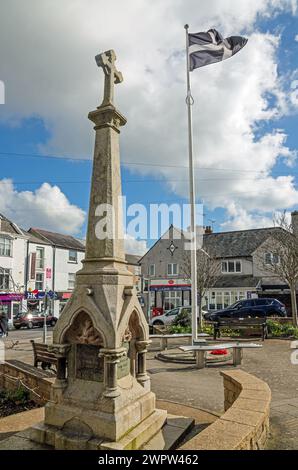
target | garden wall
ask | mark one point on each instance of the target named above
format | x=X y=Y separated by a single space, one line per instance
x=245 y=423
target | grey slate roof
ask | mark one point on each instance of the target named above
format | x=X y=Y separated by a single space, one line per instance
x=35 y=239
x=236 y=281
x=236 y=244
x=8 y=226
x=58 y=239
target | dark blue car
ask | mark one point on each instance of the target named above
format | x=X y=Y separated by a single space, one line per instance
x=263 y=307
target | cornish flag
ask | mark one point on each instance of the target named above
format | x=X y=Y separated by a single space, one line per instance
x=208 y=48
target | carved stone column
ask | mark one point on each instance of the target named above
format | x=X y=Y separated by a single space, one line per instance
x=111 y=359
x=142 y=377
x=132 y=357
x=60 y=351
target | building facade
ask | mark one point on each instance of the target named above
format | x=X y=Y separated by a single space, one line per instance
x=241 y=255
x=38 y=268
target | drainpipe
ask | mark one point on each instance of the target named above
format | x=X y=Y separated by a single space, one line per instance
x=27 y=267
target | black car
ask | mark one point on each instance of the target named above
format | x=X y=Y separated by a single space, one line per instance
x=263 y=307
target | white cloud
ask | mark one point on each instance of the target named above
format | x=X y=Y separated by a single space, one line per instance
x=133 y=246
x=46 y=208
x=55 y=77
x=240 y=219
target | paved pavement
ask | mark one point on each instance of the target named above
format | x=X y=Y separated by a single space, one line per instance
x=187 y=385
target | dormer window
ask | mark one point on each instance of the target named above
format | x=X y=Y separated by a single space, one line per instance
x=231 y=267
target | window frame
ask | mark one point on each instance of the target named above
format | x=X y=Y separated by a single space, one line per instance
x=271 y=255
x=172 y=273
x=225 y=266
x=5 y=276
x=4 y=241
x=40 y=261
x=74 y=261
x=149 y=270
x=69 y=281
x=40 y=281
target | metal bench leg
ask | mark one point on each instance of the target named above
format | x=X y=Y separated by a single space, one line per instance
x=164 y=343
x=200 y=359
x=237 y=356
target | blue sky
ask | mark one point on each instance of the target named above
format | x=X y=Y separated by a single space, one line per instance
x=34 y=125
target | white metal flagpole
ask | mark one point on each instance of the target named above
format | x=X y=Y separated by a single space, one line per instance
x=193 y=252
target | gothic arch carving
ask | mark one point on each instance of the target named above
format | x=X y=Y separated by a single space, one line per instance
x=133 y=325
x=82 y=331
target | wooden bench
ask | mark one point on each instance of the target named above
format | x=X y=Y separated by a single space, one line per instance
x=241 y=324
x=43 y=355
x=200 y=351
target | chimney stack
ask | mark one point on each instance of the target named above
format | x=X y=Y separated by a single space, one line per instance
x=208 y=230
x=295 y=222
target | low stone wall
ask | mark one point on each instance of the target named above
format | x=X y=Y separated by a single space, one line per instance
x=14 y=374
x=245 y=423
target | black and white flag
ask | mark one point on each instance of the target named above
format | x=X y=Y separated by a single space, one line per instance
x=208 y=48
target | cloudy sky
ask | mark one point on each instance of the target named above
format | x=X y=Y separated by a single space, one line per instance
x=245 y=111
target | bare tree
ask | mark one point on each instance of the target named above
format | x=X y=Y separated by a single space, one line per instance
x=208 y=272
x=282 y=257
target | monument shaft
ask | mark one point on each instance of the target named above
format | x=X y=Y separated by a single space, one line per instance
x=101 y=398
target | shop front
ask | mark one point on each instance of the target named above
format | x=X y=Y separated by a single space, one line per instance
x=36 y=301
x=11 y=304
x=166 y=294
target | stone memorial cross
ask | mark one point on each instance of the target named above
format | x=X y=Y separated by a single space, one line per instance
x=106 y=60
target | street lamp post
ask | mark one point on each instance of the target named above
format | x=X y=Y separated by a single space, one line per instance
x=44 y=335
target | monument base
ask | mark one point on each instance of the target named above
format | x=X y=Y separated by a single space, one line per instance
x=175 y=430
x=62 y=439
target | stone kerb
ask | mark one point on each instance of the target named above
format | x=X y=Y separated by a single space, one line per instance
x=245 y=423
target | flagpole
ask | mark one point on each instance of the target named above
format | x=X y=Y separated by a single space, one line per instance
x=192 y=196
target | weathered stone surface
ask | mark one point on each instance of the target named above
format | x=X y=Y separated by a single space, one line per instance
x=102 y=333
x=245 y=424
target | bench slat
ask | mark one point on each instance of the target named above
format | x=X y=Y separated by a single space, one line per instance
x=214 y=347
x=42 y=354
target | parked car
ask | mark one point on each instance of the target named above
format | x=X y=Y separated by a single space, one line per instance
x=32 y=319
x=263 y=307
x=170 y=316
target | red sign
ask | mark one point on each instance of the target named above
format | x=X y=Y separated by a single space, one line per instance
x=66 y=295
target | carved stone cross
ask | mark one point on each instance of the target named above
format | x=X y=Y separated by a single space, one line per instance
x=106 y=60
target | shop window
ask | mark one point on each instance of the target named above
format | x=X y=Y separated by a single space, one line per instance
x=73 y=256
x=4 y=279
x=39 y=281
x=71 y=281
x=227 y=299
x=5 y=246
x=173 y=299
